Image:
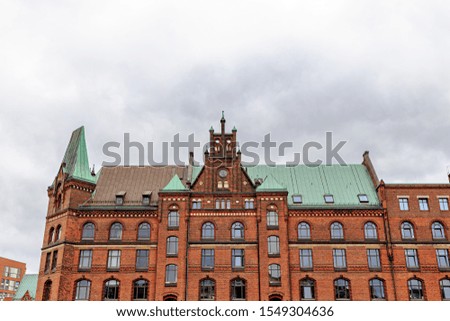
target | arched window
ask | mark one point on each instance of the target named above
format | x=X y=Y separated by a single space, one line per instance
x=341 y=289
x=337 y=231
x=208 y=231
x=376 y=289
x=415 y=288
x=238 y=289
x=88 y=231
x=273 y=243
x=437 y=230
x=144 y=231
x=304 y=231
x=274 y=274
x=307 y=289
x=172 y=246
x=140 y=289
x=237 y=231
x=272 y=219
x=173 y=219
x=47 y=290
x=111 y=291
x=370 y=231
x=207 y=289
x=51 y=234
x=445 y=289
x=115 y=233
x=83 y=289
x=407 y=230
x=170 y=297
x=171 y=274
x=58 y=233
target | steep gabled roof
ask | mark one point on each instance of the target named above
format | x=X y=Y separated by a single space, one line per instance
x=75 y=161
x=175 y=184
x=270 y=184
x=28 y=283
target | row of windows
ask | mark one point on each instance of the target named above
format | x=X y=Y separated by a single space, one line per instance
x=207 y=289
x=11 y=272
x=403 y=203
x=437 y=231
x=115 y=232
x=51 y=261
x=9 y=285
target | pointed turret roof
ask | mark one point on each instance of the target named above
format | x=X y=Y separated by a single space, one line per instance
x=76 y=162
x=175 y=184
x=270 y=184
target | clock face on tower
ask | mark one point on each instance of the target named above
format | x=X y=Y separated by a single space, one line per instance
x=223 y=173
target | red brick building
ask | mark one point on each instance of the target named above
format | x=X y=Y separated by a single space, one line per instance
x=12 y=274
x=223 y=231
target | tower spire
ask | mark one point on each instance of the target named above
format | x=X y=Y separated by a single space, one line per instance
x=222 y=122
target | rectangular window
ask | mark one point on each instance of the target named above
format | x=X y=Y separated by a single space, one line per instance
x=141 y=259
x=339 y=259
x=207 y=259
x=6 y=271
x=196 y=205
x=306 y=262
x=249 y=204
x=443 y=203
x=412 y=261
x=54 y=260
x=119 y=200
x=48 y=259
x=297 y=199
x=442 y=258
x=114 y=260
x=373 y=259
x=329 y=199
x=403 y=203
x=85 y=260
x=363 y=198
x=146 y=199
x=237 y=258
x=423 y=204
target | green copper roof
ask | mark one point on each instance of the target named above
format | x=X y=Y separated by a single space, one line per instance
x=345 y=183
x=28 y=283
x=195 y=171
x=76 y=158
x=175 y=184
x=270 y=184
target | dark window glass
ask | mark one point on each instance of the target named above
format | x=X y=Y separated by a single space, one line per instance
x=415 y=289
x=111 y=290
x=116 y=232
x=307 y=291
x=306 y=262
x=442 y=258
x=443 y=204
x=376 y=289
x=140 y=290
x=412 y=261
x=208 y=231
x=238 y=289
x=47 y=262
x=423 y=204
x=407 y=230
x=58 y=233
x=207 y=258
x=237 y=231
x=437 y=230
x=274 y=274
x=144 y=231
x=47 y=290
x=370 y=231
x=172 y=245
x=141 y=259
x=237 y=258
x=339 y=259
x=403 y=204
x=373 y=258
x=342 y=289
x=445 y=289
x=88 y=231
x=85 y=259
x=83 y=290
x=113 y=259
x=171 y=274
x=272 y=219
x=273 y=245
x=337 y=231
x=54 y=260
x=51 y=235
x=304 y=231
x=173 y=219
x=207 y=290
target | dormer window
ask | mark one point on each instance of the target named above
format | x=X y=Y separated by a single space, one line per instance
x=120 y=198
x=297 y=199
x=363 y=198
x=329 y=199
x=146 y=198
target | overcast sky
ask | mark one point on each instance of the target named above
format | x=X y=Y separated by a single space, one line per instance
x=376 y=75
